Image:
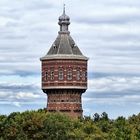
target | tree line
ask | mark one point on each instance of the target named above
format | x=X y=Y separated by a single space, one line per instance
x=41 y=125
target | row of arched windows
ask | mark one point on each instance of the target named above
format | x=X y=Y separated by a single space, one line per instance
x=79 y=75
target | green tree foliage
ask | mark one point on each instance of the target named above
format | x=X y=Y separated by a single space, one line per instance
x=41 y=125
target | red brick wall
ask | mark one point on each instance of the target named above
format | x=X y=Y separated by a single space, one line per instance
x=69 y=103
x=55 y=65
x=64 y=95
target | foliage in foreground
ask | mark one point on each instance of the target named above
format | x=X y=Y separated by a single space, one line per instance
x=40 y=125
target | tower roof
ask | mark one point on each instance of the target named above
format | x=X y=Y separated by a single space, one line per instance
x=64 y=46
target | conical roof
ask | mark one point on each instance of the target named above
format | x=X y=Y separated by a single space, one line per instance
x=64 y=46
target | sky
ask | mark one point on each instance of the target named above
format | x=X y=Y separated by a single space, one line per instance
x=106 y=31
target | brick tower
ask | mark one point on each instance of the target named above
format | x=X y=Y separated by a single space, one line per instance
x=64 y=73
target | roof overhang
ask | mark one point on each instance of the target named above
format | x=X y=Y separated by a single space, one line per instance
x=64 y=56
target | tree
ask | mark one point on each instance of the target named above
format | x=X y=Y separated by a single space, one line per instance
x=104 y=116
x=96 y=117
x=41 y=125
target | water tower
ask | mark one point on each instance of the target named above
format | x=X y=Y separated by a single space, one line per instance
x=64 y=73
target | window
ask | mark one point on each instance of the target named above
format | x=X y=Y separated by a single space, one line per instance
x=60 y=74
x=78 y=75
x=69 y=74
x=52 y=75
x=84 y=75
x=46 y=75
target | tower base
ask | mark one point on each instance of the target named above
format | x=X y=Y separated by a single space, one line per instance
x=65 y=101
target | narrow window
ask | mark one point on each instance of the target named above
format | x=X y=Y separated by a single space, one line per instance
x=52 y=75
x=60 y=74
x=69 y=74
x=84 y=75
x=46 y=75
x=78 y=75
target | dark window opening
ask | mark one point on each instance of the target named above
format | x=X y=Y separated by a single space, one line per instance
x=69 y=74
x=52 y=110
x=77 y=110
x=65 y=110
x=46 y=75
x=60 y=74
x=52 y=75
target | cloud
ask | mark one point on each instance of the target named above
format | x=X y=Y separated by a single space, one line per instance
x=114 y=84
x=17 y=87
x=113 y=90
x=23 y=93
x=33 y=31
x=106 y=31
x=27 y=95
x=17 y=104
x=122 y=15
x=135 y=100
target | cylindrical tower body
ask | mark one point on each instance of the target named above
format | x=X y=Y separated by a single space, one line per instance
x=64 y=73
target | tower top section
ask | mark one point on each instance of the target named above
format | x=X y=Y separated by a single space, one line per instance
x=64 y=22
x=64 y=47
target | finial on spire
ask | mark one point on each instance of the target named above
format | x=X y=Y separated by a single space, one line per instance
x=64 y=9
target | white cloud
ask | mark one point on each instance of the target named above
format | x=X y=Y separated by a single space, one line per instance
x=114 y=100
x=113 y=90
x=106 y=31
x=27 y=95
x=114 y=84
x=34 y=31
x=18 y=92
x=3 y=94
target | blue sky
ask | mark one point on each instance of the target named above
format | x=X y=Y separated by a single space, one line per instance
x=107 y=31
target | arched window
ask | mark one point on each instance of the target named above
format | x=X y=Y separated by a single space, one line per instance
x=69 y=74
x=52 y=75
x=46 y=75
x=84 y=75
x=60 y=74
x=78 y=74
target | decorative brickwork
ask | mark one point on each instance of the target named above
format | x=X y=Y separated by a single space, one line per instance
x=64 y=73
x=66 y=101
